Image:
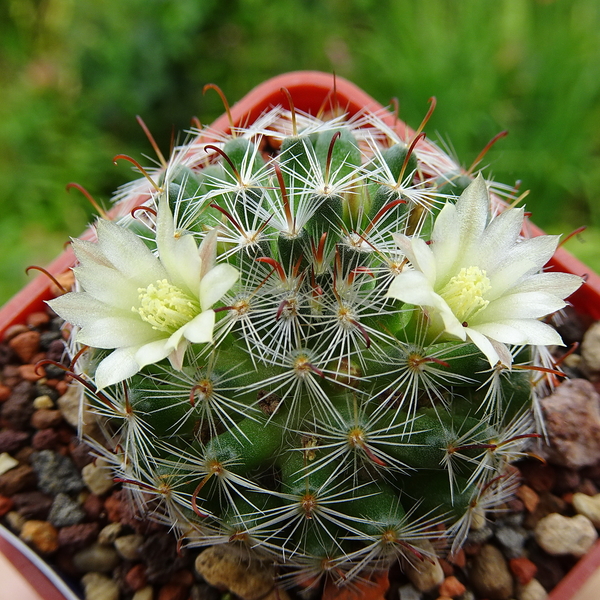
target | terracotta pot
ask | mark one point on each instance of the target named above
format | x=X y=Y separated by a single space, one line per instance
x=312 y=91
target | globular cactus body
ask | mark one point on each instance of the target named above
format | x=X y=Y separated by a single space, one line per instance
x=327 y=417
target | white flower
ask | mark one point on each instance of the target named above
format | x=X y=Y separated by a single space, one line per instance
x=145 y=307
x=478 y=280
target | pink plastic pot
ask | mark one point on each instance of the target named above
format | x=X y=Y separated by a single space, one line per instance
x=312 y=91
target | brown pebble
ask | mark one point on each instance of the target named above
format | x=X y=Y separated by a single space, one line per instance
x=447 y=568
x=16 y=480
x=10 y=375
x=6 y=505
x=13 y=331
x=5 y=392
x=173 y=591
x=33 y=505
x=539 y=476
x=62 y=386
x=26 y=345
x=93 y=507
x=38 y=319
x=136 y=577
x=11 y=441
x=458 y=559
x=45 y=418
x=183 y=577
x=45 y=439
x=522 y=569
x=452 y=587
x=78 y=536
x=41 y=534
x=80 y=453
x=529 y=497
x=587 y=487
x=30 y=373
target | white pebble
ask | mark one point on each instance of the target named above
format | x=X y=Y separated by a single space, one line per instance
x=425 y=574
x=109 y=533
x=42 y=402
x=588 y=506
x=99 y=587
x=146 y=593
x=98 y=477
x=533 y=590
x=128 y=546
x=7 y=462
x=559 y=535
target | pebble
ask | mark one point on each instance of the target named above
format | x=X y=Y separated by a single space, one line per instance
x=109 y=533
x=6 y=504
x=15 y=521
x=13 y=331
x=589 y=506
x=78 y=536
x=42 y=402
x=98 y=477
x=99 y=587
x=572 y=415
x=512 y=540
x=68 y=404
x=30 y=373
x=7 y=462
x=25 y=345
x=65 y=511
x=128 y=546
x=56 y=473
x=409 y=592
x=489 y=574
x=227 y=567
x=16 y=480
x=533 y=590
x=45 y=439
x=146 y=593
x=10 y=440
x=425 y=574
x=5 y=392
x=97 y=558
x=558 y=535
x=136 y=577
x=45 y=418
x=451 y=587
x=37 y=319
x=33 y=505
x=174 y=591
x=529 y=497
x=17 y=410
x=41 y=534
x=590 y=351
x=522 y=569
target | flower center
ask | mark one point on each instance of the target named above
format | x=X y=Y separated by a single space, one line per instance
x=465 y=292
x=165 y=306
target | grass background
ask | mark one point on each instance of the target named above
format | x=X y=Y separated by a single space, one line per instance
x=73 y=75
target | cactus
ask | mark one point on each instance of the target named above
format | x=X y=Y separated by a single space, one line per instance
x=316 y=341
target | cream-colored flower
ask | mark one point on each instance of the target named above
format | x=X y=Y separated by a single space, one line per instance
x=145 y=307
x=479 y=280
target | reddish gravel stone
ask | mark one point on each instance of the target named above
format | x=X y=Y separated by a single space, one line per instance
x=78 y=536
x=451 y=587
x=30 y=373
x=17 y=410
x=136 y=577
x=33 y=505
x=11 y=441
x=458 y=559
x=529 y=497
x=6 y=504
x=522 y=569
x=26 y=345
x=447 y=568
x=13 y=331
x=80 y=453
x=45 y=439
x=10 y=375
x=173 y=591
x=93 y=507
x=538 y=476
x=5 y=392
x=38 y=319
x=42 y=535
x=45 y=418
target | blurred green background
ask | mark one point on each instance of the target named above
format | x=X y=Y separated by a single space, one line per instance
x=74 y=74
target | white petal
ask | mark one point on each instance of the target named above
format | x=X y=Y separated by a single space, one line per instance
x=108 y=285
x=424 y=259
x=115 y=332
x=561 y=285
x=79 y=308
x=473 y=209
x=178 y=253
x=217 y=282
x=412 y=287
x=521 y=331
x=445 y=242
x=152 y=352
x=523 y=305
x=200 y=329
x=176 y=356
x=127 y=253
x=485 y=345
x=117 y=366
